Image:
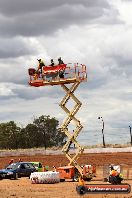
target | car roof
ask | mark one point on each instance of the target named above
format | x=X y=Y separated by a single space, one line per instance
x=22 y=163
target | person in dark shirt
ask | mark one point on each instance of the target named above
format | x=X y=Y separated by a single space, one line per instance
x=60 y=61
x=40 y=65
x=52 y=62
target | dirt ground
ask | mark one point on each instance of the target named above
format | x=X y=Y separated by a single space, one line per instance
x=22 y=188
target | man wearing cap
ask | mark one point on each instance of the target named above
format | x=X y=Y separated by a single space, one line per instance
x=52 y=62
x=115 y=177
x=60 y=61
x=41 y=64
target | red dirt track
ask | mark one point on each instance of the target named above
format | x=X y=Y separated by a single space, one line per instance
x=22 y=188
x=59 y=160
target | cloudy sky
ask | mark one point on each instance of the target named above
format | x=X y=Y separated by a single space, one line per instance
x=96 y=33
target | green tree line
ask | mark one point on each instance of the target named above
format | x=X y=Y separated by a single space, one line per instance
x=42 y=132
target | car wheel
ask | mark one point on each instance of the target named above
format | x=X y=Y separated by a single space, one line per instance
x=62 y=180
x=16 y=176
x=88 y=179
x=81 y=190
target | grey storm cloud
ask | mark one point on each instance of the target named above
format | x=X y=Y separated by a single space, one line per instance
x=17 y=7
x=31 y=18
x=123 y=60
x=29 y=93
x=120 y=64
x=15 y=47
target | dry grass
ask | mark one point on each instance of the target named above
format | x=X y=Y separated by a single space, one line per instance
x=109 y=146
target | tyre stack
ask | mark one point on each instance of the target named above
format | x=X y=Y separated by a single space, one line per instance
x=48 y=177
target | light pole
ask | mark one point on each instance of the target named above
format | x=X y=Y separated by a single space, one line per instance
x=130 y=134
x=102 y=130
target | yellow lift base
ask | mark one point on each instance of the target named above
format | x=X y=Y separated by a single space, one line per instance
x=73 y=74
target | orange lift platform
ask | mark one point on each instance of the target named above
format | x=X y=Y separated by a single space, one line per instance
x=57 y=75
x=62 y=75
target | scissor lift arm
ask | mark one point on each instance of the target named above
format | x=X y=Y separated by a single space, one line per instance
x=71 y=117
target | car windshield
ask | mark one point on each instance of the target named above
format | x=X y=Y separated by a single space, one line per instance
x=36 y=165
x=12 y=166
x=31 y=165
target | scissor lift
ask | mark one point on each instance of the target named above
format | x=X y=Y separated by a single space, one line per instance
x=73 y=74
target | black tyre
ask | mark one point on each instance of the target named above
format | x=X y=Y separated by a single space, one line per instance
x=105 y=179
x=88 y=179
x=16 y=176
x=62 y=180
x=81 y=190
